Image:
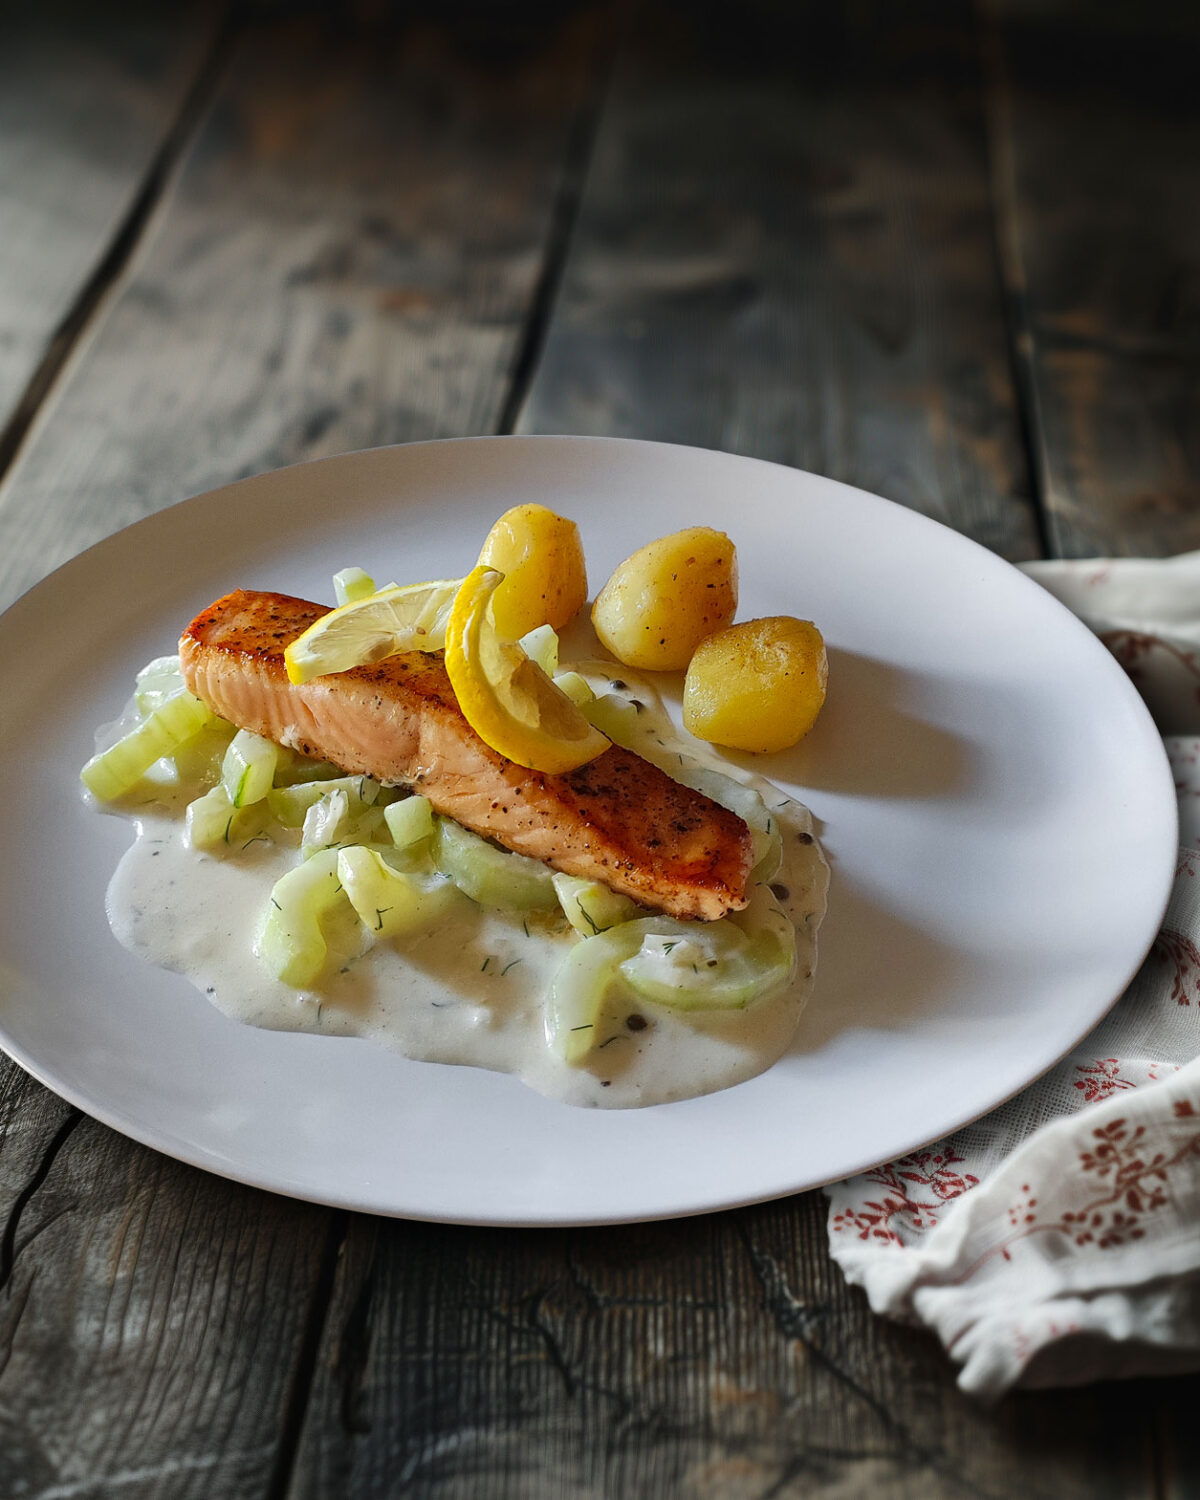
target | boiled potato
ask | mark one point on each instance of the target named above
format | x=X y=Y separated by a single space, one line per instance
x=757 y=686
x=545 y=579
x=661 y=602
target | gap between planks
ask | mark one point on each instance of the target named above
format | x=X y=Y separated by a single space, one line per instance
x=105 y=278
x=564 y=215
x=1010 y=271
x=288 y=1447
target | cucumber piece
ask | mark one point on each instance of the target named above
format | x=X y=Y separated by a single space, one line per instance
x=684 y=965
x=290 y=804
x=336 y=821
x=388 y=902
x=409 y=821
x=326 y=823
x=491 y=876
x=541 y=646
x=213 y=824
x=292 y=768
x=579 y=989
x=290 y=941
x=114 y=771
x=710 y=965
x=351 y=584
x=248 y=770
x=199 y=759
x=156 y=682
x=614 y=716
x=589 y=906
x=575 y=687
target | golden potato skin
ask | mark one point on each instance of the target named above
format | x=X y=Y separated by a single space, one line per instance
x=661 y=602
x=757 y=686
x=545 y=577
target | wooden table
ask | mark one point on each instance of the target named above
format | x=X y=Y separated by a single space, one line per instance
x=948 y=253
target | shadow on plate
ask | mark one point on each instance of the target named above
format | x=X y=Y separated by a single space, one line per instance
x=875 y=971
x=866 y=745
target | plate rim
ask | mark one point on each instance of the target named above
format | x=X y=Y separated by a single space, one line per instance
x=192 y=1154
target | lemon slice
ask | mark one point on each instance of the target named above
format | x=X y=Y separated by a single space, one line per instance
x=507 y=699
x=408 y=618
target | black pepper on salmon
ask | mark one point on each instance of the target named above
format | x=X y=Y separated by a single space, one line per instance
x=617 y=819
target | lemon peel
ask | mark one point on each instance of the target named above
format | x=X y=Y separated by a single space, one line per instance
x=411 y=617
x=507 y=699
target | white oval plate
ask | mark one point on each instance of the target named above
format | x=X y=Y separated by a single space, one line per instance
x=993 y=799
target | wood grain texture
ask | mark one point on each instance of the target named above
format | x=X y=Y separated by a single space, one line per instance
x=86 y=101
x=346 y=258
x=786 y=249
x=151 y=1316
x=1098 y=156
x=719 y=1358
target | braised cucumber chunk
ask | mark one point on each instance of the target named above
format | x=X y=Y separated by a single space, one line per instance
x=116 y=770
x=292 y=768
x=326 y=823
x=575 y=686
x=689 y=966
x=199 y=759
x=391 y=902
x=410 y=821
x=156 y=682
x=575 y=1004
x=589 y=906
x=709 y=966
x=351 y=584
x=614 y=716
x=290 y=804
x=290 y=940
x=541 y=646
x=248 y=770
x=491 y=876
x=336 y=820
x=213 y=824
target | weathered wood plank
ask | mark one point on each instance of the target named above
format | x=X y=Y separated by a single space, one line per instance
x=715 y=1358
x=346 y=260
x=786 y=249
x=137 y=1299
x=1098 y=156
x=87 y=98
x=346 y=256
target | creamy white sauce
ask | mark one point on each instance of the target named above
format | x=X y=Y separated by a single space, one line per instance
x=470 y=989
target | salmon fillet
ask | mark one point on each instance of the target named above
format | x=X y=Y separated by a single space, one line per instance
x=617 y=819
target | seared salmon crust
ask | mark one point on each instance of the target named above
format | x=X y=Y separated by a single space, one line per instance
x=618 y=819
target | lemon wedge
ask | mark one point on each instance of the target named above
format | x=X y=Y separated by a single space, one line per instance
x=411 y=617
x=507 y=699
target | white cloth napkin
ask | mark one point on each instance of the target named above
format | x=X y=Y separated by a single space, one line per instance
x=1057 y=1240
